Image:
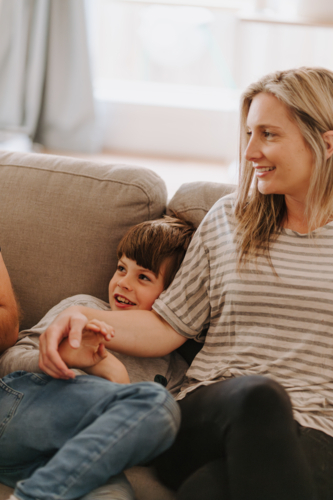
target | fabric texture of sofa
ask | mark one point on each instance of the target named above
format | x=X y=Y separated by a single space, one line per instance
x=60 y=223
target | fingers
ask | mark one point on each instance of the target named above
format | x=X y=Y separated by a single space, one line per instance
x=71 y=325
x=99 y=354
x=102 y=352
x=77 y=323
x=101 y=327
x=91 y=338
x=50 y=361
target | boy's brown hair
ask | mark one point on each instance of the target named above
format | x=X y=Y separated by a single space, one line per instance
x=152 y=242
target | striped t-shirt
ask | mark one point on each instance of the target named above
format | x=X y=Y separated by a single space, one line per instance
x=257 y=323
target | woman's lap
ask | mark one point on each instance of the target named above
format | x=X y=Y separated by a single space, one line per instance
x=246 y=425
x=318 y=450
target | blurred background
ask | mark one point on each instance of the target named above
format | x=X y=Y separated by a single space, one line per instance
x=152 y=83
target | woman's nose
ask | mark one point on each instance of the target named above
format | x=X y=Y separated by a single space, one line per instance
x=253 y=151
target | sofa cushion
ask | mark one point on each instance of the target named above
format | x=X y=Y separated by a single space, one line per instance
x=194 y=199
x=60 y=223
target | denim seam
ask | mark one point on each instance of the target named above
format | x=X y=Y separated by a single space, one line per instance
x=84 y=467
x=12 y=411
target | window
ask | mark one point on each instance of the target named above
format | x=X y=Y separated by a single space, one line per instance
x=188 y=42
x=170 y=72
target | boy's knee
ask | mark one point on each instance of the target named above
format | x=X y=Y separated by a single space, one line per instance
x=171 y=408
x=162 y=420
x=166 y=408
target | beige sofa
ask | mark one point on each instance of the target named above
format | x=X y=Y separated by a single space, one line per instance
x=60 y=222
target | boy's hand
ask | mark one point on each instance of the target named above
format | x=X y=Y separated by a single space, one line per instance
x=90 y=352
x=109 y=367
x=101 y=327
x=70 y=323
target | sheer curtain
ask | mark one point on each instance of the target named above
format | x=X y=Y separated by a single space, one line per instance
x=45 y=77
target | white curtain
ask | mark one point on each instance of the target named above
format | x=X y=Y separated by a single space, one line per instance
x=45 y=77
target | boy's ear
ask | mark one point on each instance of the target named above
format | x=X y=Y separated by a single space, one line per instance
x=328 y=139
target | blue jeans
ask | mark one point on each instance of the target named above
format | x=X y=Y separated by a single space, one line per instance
x=60 y=439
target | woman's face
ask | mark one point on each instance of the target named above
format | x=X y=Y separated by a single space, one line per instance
x=282 y=160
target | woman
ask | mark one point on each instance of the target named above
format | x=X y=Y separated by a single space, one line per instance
x=256 y=287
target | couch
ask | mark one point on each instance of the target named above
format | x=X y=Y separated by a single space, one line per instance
x=60 y=223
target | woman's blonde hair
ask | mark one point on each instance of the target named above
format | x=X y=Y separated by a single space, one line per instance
x=308 y=96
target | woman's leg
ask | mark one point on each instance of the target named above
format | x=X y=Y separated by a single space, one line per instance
x=318 y=450
x=61 y=439
x=210 y=481
x=247 y=422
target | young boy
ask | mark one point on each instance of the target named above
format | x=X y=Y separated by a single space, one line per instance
x=149 y=256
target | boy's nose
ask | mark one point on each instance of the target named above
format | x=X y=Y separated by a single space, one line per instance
x=125 y=283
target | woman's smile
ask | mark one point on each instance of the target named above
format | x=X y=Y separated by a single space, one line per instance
x=262 y=171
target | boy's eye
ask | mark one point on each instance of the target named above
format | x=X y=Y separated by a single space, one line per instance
x=121 y=268
x=144 y=277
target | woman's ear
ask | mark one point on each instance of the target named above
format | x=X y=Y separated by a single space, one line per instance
x=328 y=139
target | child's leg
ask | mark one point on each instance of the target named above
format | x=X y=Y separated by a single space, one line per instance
x=65 y=438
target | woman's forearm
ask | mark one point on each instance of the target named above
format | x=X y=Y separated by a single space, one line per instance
x=138 y=333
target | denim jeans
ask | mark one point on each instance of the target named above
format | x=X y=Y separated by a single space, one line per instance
x=60 y=439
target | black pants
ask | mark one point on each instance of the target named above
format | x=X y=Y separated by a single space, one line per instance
x=238 y=441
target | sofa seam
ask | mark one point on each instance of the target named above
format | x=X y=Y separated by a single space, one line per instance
x=204 y=208
x=87 y=177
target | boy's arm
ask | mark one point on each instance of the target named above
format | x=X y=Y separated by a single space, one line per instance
x=9 y=323
x=138 y=333
x=110 y=368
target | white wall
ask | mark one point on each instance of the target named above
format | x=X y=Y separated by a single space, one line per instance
x=171 y=131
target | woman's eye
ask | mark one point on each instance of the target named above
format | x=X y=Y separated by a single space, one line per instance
x=268 y=134
x=144 y=277
x=248 y=133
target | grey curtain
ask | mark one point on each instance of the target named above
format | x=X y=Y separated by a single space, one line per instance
x=45 y=78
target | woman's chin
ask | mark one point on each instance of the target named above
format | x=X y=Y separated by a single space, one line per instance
x=267 y=188
x=263 y=188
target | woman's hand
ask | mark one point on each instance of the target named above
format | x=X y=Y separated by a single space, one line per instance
x=70 y=323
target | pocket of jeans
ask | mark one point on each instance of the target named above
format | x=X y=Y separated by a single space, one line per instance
x=9 y=401
x=39 y=378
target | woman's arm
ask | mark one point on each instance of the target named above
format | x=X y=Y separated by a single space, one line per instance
x=137 y=333
x=9 y=322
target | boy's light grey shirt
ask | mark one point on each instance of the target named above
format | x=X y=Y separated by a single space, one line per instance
x=24 y=354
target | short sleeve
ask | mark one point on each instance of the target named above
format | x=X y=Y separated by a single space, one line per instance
x=185 y=305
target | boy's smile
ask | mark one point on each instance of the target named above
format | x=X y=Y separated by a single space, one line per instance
x=134 y=287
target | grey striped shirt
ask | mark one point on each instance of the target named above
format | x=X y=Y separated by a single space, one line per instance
x=257 y=323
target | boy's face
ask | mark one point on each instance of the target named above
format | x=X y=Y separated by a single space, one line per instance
x=134 y=287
